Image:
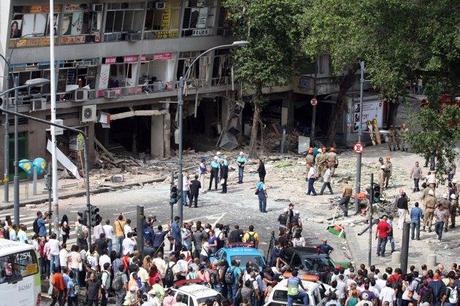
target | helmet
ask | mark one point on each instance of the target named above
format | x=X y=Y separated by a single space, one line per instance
x=310 y=150
x=241 y=153
x=381 y=159
x=216 y=157
x=332 y=149
x=452 y=196
x=382 y=167
x=431 y=192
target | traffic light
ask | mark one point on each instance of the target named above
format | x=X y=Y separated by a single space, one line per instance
x=173 y=198
x=95 y=217
x=83 y=217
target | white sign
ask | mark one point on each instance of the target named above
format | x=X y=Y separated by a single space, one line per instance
x=371 y=110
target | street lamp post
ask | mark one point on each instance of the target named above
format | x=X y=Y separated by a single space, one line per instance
x=180 y=104
x=360 y=132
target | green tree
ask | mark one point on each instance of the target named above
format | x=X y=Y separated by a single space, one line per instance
x=273 y=31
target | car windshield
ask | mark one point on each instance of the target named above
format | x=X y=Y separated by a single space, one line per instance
x=244 y=259
x=318 y=264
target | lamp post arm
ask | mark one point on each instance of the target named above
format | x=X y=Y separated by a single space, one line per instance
x=189 y=68
x=13 y=89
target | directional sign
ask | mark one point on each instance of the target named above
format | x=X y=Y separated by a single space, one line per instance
x=314 y=101
x=358 y=148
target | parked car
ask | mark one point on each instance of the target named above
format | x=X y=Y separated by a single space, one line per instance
x=243 y=254
x=195 y=294
x=316 y=294
x=310 y=261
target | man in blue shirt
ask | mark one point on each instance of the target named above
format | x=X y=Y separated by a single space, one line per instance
x=41 y=224
x=416 y=214
x=262 y=195
x=241 y=161
x=176 y=235
x=294 y=292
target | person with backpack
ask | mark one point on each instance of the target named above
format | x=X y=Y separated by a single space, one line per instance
x=451 y=298
x=438 y=288
x=170 y=275
x=251 y=237
x=120 y=285
x=232 y=279
x=105 y=283
x=39 y=225
x=261 y=192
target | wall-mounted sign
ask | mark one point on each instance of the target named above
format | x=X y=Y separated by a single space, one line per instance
x=162 y=56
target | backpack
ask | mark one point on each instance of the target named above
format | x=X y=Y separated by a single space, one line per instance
x=452 y=295
x=169 y=276
x=251 y=238
x=229 y=276
x=105 y=286
x=80 y=232
x=117 y=283
x=282 y=219
x=35 y=226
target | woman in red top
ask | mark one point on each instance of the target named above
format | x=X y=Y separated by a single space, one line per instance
x=154 y=276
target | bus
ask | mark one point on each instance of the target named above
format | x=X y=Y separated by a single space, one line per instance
x=20 y=282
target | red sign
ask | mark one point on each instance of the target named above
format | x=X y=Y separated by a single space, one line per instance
x=130 y=59
x=162 y=56
x=314 y=101
x=358 y=148
x=110 y=60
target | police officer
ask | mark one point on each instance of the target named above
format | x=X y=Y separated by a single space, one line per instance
x=453 y=209
x=430 y=205
x=241 y=161
x=388 y=170
x=392 y=138
x=402 y=137
x=446 y=204
x=321 y=161
x=224 y=173
x=215 y=166
x=332 y=161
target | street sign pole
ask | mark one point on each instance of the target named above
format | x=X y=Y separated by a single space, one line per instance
x=360 y=132
x=313 y=102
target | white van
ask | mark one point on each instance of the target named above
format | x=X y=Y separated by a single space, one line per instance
x=194 y=294
x=20 y=283
x=316 y=294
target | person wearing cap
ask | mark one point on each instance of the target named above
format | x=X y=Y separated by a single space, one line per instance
x=381 y=177
x=430 y=205
x=321 y=161
x=416 y=174
x=332 y=160
x=224 y=173
x=241 y=161
x=453 y=209
x=215 y=166
x=416 y=214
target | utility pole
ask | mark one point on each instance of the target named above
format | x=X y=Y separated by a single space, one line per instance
x=6 y=154
x=360 y=132
x=54 y=167
x=371 y=201
x=16 y=158
x=140 y=229
x=180 y=105
x=405 y=247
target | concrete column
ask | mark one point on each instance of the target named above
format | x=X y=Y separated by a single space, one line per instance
x=287 y=113
x=157 y=147
x=167 y=134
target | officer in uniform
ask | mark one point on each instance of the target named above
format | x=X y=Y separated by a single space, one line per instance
x=402 y=137
x=392 y=138
x=215 y=166
x=321 y=161
x=430 y=206
x=381 y=177
x=332 y=161
x=310 y=159
x=241 y=161
x=388 y=171
x=446 y=204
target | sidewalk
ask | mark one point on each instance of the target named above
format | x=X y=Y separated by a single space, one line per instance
x=69 y=188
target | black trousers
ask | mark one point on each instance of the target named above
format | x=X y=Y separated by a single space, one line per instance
x=224 y=185
x=194 y=198
x=215 y=176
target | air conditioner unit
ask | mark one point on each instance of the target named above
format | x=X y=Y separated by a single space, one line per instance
x=134 y=36
x=98 y=7
x=88 y=113
x=160 y=5
x=80 y=95
x=38 y=105
x=110 y=94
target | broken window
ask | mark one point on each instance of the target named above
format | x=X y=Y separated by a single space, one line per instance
x=221 y=68
x=199 y=17
x=32 y=21
x=123 y=19
x=200 y=72
x=83 y=21
x=162 y=19
x=157 y=72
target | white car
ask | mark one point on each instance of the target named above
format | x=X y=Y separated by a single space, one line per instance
x=194 y=294
x=315 y=290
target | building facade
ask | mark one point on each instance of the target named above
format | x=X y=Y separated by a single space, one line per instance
x=117 y=66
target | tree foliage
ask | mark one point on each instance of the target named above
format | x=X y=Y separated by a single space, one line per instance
x=274 y=35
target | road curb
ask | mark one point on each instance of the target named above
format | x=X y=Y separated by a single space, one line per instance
x=82 y=193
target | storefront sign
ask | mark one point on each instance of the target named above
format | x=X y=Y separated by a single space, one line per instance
x=69 y=40
x=165 y=34
x=30 y=42
x=162 y=56
x=130 y=59
x=201 y=32
x=110 y=60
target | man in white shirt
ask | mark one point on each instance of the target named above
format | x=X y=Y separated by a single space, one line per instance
x=104 y=258
x=182 y=267
x=128 y=244
x=341 y=288
x=63 y=254
x=326 y=181
x=52 y=251
x=387 y=294
x=311 y=178
x=185 y=189
x=127 y=228
x=97 y=231
x=380 y=282
x=108 y=230
x=160 y=263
